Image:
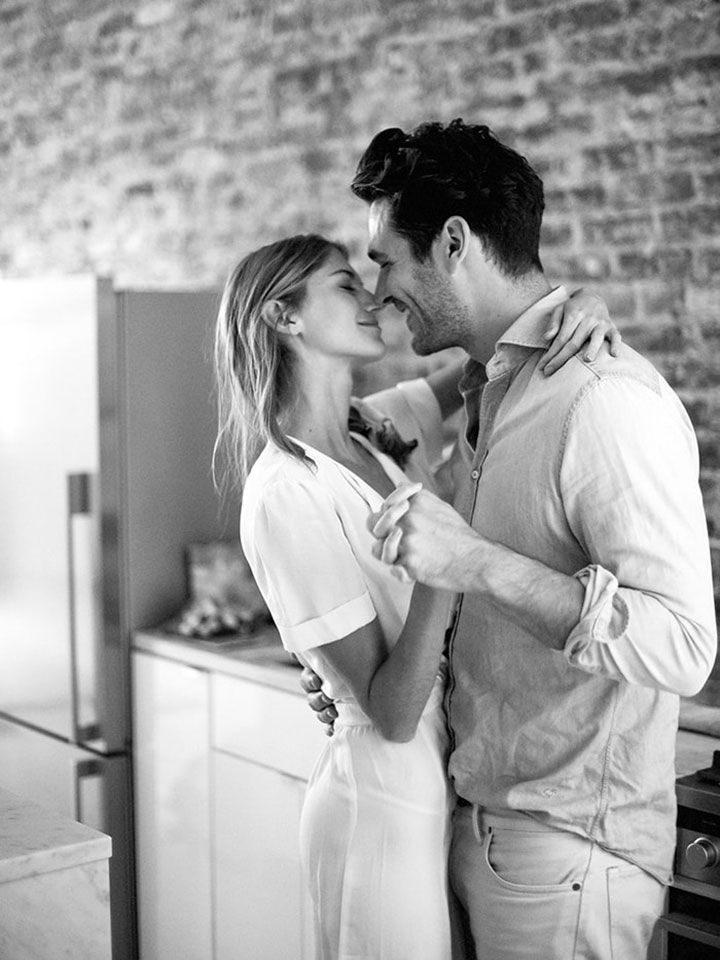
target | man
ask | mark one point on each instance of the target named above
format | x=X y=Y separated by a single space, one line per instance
x=580 y=549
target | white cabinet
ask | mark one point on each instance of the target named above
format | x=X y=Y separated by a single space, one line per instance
x=172 y=809
x=221 y=765
x=261 y=907
x=265 y=742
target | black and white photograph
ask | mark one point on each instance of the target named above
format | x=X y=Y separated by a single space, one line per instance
x=359 y=479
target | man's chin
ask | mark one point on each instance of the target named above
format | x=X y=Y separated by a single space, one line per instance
x=421 y=347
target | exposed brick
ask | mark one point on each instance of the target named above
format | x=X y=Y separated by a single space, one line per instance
x=674 y=262
x=159 y=139
x=534 y=61
x=143 y=189
x=692 y=370
x=555 y=234
x=585 y=16
x=9 y=14
x=710 y=183
x=656 y=339
x=577 y=269
x=620 y=156
x=638 y=265
x=695 y=148
x=115 y=24
x=707 y=66
x=597 y=48
x=520 y=6
x=628 y=228
x=707 y=265
x=697 y=221
x=508 y=37
x=639 y=82
x=710 y=486
x=709 y=449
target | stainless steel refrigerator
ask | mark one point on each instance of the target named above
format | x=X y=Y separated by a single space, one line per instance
x=107 y=422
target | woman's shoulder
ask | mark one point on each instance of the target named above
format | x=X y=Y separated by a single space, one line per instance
x=276 y=466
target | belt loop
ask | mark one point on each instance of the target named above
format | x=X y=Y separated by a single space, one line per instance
x=476 y=814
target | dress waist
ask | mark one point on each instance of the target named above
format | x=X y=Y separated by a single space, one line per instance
x=351 y=714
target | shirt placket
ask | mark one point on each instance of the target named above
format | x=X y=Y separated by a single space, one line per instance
x=491 y=396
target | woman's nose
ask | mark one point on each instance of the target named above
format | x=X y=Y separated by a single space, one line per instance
x=370 y=302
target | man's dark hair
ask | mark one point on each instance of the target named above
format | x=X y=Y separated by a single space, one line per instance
x=441 y=170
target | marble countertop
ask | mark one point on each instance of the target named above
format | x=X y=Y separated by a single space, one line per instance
x=34 y=840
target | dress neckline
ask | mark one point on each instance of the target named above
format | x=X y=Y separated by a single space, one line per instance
x=391 y=470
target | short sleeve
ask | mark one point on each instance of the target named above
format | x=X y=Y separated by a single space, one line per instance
x=305 y=566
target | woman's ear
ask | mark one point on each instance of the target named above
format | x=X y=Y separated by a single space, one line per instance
x=277 y=316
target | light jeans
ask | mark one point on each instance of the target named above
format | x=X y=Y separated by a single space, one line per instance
x=535 y=892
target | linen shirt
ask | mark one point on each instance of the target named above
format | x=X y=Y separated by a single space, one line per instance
x=593 y=472
x=305 y=535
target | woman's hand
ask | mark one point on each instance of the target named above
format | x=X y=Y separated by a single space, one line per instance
x=581 y=324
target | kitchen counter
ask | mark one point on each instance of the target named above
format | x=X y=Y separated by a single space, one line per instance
x=54 y=885
x=262 y=658
x=34 y=840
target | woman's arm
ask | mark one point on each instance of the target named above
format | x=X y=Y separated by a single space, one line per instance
x=583 y=323
x=393 y=687
x=444 y=384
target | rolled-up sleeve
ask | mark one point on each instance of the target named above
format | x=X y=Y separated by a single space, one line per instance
x=629 y=482
x=415 y=413
x=305 y=566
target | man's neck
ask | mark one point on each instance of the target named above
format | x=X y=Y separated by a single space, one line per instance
x=501 y=307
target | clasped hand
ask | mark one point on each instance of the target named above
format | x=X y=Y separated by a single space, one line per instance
x=422 y=537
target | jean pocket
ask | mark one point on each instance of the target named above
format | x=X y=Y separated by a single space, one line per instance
x=527 y=909
x=635 y=901
x=535 y=862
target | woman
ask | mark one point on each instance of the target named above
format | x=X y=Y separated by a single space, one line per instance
x=294 y=325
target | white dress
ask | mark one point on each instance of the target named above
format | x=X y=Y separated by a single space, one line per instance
x=376 y=819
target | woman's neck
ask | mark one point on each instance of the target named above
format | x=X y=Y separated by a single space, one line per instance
x=320 y=414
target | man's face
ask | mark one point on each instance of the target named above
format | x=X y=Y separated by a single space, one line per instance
x=433 y=313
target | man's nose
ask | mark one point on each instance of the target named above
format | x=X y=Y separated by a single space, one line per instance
x=381 y=289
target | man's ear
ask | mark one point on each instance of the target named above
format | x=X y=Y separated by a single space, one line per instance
x=453 y=243
x=277 y=316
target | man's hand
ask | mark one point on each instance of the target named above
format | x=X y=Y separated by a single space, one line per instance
x=423 y=536
x=317 y=701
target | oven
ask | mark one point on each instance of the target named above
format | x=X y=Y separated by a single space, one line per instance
x=690 y=927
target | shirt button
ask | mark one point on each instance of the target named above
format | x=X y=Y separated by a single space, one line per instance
x=475 y=474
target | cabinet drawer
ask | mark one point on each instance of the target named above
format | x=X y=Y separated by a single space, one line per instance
x=269 y=726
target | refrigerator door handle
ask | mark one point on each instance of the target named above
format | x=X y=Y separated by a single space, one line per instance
x=84 y=770
x=79 y=502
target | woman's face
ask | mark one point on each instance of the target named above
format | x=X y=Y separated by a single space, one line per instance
x=338 y=316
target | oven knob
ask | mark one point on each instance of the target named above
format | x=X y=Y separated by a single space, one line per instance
x=702 y=853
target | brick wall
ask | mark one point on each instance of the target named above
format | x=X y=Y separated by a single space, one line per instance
x=158 y=140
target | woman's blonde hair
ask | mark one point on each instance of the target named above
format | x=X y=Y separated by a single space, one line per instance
x=253 y=364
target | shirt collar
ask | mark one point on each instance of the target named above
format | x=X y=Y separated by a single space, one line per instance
x=524 y=334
